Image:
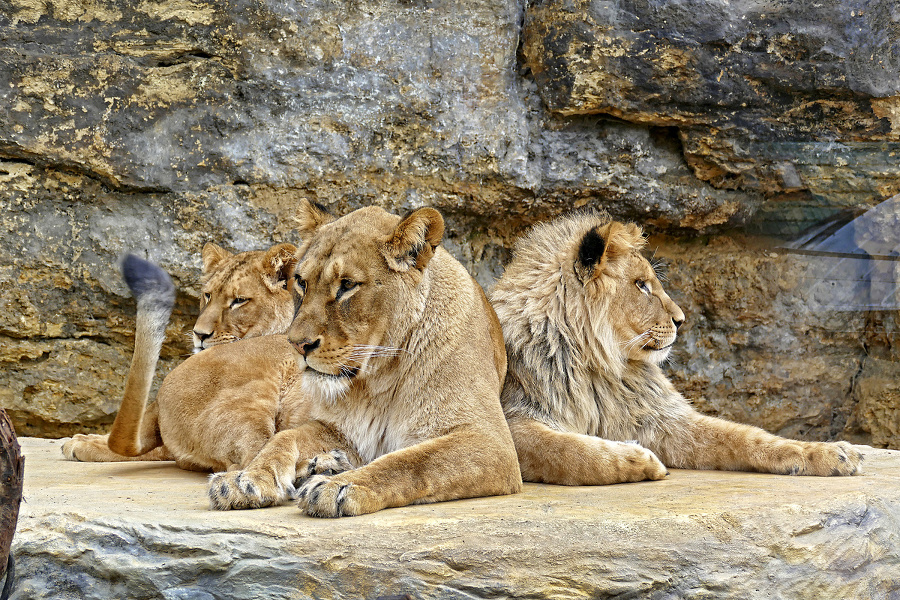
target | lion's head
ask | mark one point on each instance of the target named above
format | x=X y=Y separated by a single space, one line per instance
x=581 y=283
x=244 y=294
x=355 y=288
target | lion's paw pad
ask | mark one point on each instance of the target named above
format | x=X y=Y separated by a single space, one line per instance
x=82 y=442
x=321 y=496
x=327 y=463
x=236 y=490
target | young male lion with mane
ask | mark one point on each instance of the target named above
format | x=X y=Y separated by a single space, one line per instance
x=401 y=357
x=586 y=324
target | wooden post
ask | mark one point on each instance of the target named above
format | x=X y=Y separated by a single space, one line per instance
x=12 y=470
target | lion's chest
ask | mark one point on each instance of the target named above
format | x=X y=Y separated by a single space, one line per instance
x=373 y=429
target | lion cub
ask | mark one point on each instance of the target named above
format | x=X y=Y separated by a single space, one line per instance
x=402 y=359
x=586 y=324
x=245 y=295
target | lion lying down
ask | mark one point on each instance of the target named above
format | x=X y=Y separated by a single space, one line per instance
x=198 y=419
x=401 y=359
x=586 y=324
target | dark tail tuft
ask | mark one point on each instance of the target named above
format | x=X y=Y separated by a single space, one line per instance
x=147 y=280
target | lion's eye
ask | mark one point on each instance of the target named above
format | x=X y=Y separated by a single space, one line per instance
x=237 y=302
x=300 y=283
x=206 y=297
x=642 y=285
x=346 y=286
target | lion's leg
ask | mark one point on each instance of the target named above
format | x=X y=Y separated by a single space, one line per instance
x=444 y=468
x=550 y=456
x=703 y=442
x=269 y=478
x=94 y=448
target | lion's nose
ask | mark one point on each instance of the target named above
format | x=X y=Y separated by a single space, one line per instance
x=304 y=347
x=678 y=322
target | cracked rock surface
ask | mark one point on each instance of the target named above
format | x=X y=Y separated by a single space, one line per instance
x=154 y=127
x=144 y=531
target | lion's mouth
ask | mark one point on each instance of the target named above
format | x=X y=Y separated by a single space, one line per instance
x=651 y=348
x=345 y=373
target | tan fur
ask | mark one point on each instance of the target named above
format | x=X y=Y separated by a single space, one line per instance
x=403 y=360
x=586 y=324
x=244 y=294
x=217 y=409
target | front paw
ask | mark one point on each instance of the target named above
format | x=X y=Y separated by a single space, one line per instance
x=327 y=463
x=829 y=459
x=640 y=463
x=81 y=446
x=236 y=490
x=322 y=496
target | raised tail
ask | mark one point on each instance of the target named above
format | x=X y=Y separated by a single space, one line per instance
x=155 y=294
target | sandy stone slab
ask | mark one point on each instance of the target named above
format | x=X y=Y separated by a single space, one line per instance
x=132 y=530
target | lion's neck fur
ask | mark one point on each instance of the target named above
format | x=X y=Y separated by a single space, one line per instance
x=567 y=368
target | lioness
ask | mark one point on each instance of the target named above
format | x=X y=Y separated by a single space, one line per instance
x=244 y=295
x=402 y=358
x=586 y=324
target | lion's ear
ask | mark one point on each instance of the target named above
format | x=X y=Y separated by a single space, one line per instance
x=213 y=255
x=602 y=246
x=310 y=216
x=413 y=242
x=278 y=265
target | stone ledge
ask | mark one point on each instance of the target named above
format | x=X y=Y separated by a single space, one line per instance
x=132 y=530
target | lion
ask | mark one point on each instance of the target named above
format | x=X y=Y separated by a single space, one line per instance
x=402 y=359
x=587 y=324
x=244 y=295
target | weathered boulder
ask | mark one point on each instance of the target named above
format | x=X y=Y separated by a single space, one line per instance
x=140 y=531
x=777 y=96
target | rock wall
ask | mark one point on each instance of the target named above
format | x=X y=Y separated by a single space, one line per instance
x=156 y=126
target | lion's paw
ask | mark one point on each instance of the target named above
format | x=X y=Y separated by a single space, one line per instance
x=829 y=459
x=81 y=446
x=640 y=463
x=236 y=490
x=327 y=463
x=322 y=496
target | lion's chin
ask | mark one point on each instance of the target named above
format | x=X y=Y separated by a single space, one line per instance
x=327 y=388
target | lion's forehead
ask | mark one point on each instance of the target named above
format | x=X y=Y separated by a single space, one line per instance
x=332 y=257
x=235 y=277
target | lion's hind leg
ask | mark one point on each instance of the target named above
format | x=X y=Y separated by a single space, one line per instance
x=710 y=443
x=94 y=448
x=550 y=456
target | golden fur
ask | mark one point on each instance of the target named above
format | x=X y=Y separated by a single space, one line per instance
x=199 y=418
x=244 y=294
x=402 y=358
x=586 y=324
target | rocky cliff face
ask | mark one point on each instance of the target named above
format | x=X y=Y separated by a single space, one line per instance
x=156 y=126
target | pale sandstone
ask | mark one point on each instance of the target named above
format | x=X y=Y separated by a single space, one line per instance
x=144 y=531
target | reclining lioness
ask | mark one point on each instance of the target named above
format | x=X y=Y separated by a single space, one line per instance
x=402 y=360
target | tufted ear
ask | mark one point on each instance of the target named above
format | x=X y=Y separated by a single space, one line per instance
x=413 y=242
x=278 y=265
x=213 y=255
x=311 y=216
x=603 y=245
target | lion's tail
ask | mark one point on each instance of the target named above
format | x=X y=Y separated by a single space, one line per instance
x=136 y=430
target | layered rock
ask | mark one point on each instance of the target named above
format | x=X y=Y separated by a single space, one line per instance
x=771 y=96
x=155 y=127
x=144 y=531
